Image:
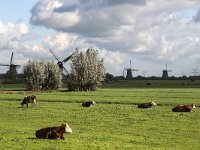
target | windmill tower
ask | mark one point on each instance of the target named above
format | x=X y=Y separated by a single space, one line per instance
x=129 y=71
x=165 y=73
x=12 y=72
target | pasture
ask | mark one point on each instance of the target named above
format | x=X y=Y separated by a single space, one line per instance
x=114 y=122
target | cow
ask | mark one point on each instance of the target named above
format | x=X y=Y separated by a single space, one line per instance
x=88 y=104
x=28 y=99
x=146 y=105
x=184 y=108
x=53 y=132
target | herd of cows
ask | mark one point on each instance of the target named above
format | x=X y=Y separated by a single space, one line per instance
x=58 y=132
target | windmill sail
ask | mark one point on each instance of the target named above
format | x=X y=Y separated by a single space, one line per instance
x=68 y=58
x=60 y=63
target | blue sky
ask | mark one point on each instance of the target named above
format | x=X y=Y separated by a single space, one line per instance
x=13 y=11
x=148 y=34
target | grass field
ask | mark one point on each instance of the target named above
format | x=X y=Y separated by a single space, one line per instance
x=114 y=122
x=153 y=84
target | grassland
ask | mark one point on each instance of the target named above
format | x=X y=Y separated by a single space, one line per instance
x=114 y=122
x=153 y=84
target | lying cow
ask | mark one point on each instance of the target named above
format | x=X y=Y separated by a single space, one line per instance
x=53 y=132
x=147 y=105
x=184 y=108
x=29 y=99
x=88 y=104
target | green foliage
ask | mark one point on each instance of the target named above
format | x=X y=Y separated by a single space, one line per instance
x=87 y=71
x=114 y=122
x=53 y=76
x=42 y=75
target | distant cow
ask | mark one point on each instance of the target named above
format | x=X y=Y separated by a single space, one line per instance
x=53 y=132
x=29 y=99
x=184 y=108
x=146 y=105
x=148 y=84
x=88 y=104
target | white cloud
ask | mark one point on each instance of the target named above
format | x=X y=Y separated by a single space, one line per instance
x=148 y=32
x=44 y=13
x=160 y=33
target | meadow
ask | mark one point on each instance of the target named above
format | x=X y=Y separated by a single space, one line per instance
x=114 y=122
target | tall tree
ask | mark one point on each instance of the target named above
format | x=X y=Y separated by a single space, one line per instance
x=87 y=71
x=42 y=75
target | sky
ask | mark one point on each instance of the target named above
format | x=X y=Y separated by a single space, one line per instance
x=147 y=33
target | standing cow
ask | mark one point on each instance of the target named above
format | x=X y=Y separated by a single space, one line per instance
x=29 y=99
x=53 y=132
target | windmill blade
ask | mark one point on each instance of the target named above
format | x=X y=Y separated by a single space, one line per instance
x=68 y=58
x=66 y=70
x=4 y=65
x=134 y=70
x=16 y=65
x=54 y=55
x=11 y=59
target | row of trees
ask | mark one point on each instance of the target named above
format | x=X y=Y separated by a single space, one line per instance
x=87 y=73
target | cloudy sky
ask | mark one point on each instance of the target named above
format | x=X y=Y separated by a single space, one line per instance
x=150 y=33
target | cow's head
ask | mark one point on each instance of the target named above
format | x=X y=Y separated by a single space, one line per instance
x=153 y=104
x=193 y=106
x=33 y=98
x=67 y=128
x=93 y=102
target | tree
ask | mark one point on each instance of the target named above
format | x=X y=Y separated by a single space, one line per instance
x=42 y=75
x=87 y=71
x=53 y=76
x=109 y=77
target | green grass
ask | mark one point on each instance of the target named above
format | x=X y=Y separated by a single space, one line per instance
x=154 y=84
x=114 y=122
x=16 y=87
x=124 y=84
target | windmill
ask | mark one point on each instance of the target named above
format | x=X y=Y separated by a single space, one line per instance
x=195 y=72
x=60 y=63
x=12 y=72
x=129 y=74
x=165 y=73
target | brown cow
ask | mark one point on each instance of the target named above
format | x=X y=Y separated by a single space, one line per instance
x=53 y=132
x=184 y=108
x=147 y=105
x=29 y=99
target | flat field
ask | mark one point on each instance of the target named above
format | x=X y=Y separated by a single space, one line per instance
x=114 y=122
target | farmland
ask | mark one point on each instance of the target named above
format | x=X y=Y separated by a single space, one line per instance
x=114 y=122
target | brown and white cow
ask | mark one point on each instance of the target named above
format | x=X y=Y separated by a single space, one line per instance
x=29 y=99
x=146 y=105
x=53 y=132
x=184 y=108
